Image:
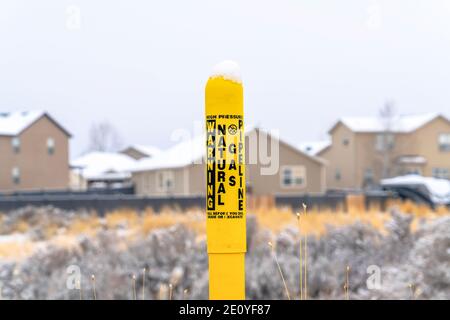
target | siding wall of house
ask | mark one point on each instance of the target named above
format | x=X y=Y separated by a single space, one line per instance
x=369 y=158
x=38 y=169
x=197 y=179
x=341 y=159
x=262 y=184
x=426 y=144
x=146 y=182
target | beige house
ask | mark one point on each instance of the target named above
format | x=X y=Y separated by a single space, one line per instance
x=273 y=167
x=365 y=150
x=34 y=152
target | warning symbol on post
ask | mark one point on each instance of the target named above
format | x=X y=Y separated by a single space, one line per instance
x=232 y=129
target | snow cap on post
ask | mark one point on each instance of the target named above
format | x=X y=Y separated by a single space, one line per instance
x=228 y=70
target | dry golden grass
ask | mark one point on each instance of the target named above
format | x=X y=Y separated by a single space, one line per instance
x=21 y=227
x=86 y=226
x=316 y=221
x=122 y=217
x=135 y=224
x=274 y=218
x=16 y=250
x=193 y=219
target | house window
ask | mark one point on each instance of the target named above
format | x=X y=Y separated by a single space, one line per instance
x=384 y=142
x=15 y=143
x=441 y=173
x=165 y=181
x=15 y=173
x=346 y=141
x=337 y=175
x=293 y=176
x=368 y=176
x=444 y=142
x=51 y=146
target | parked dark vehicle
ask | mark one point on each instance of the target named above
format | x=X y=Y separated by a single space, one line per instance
x=431 y=191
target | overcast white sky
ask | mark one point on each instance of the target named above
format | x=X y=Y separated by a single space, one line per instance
x=142 y=65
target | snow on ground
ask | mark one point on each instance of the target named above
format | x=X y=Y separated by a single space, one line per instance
x=176 y=252
x=13 y=238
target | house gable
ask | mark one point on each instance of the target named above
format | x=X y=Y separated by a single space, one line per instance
x=51 y=120
x=14 y=124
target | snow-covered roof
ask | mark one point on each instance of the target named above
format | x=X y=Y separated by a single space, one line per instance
x=13 y=123
x=314 y=147
x=228 y=70
x=190 y=152
x=182 y=154
x=439 y=189
x=400 y=123
x=104 y=165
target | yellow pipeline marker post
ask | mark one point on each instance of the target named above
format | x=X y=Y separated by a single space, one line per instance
x=225 y=185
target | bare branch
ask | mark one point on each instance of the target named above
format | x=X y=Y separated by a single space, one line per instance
x=104 y=137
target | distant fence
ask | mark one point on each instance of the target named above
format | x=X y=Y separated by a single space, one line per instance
x=70 y=192
x=109 y=202
x=100 y=203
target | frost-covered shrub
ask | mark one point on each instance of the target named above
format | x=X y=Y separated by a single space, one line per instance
x=413 y=265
